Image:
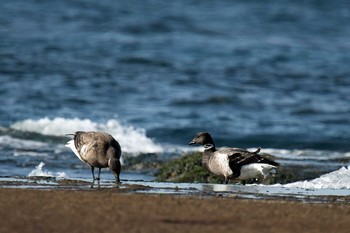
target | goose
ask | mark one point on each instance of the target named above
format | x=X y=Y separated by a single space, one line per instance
x=97 y=149
x=233 y=163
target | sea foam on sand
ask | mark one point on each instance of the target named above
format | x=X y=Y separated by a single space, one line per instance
x=339 y=179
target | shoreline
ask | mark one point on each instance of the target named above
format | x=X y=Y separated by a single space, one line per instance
x=237 y=191
x=106 y=210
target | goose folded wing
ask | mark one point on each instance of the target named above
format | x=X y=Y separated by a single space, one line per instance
x=242 y=158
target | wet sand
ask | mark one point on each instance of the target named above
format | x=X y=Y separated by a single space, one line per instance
x=107 y=210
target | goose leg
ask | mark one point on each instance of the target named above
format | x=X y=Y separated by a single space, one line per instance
x=93 y=176
x=117 y=178
x=98 y=177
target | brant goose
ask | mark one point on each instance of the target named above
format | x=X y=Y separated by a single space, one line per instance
x=98 y=149
x=233 y=163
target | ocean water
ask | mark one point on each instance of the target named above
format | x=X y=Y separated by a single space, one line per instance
x=271 y=74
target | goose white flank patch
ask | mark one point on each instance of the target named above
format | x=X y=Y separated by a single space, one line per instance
x=97 y=149
x=234 y=163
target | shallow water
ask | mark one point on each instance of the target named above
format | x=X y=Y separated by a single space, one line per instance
x=258 y=192
x=270 y=74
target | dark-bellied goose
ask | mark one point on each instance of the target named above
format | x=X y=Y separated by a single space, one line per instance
x=233 y=163
x=98 y=149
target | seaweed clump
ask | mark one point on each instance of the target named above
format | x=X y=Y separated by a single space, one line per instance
x=189 y=169
x=186 y=169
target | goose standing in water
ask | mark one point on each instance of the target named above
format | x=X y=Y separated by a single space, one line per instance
x=98 y=149
x=233 y=163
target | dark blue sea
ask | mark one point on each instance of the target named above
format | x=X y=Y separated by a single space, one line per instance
x=270 y=74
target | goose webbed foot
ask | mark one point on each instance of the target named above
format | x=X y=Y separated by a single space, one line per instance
x=117 y=180
x=93 y=182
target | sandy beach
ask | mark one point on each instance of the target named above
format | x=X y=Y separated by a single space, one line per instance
x=27 y=210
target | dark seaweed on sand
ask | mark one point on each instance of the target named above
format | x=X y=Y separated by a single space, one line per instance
x=187 y=168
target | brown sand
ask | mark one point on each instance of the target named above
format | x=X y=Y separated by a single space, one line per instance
x=23 y=210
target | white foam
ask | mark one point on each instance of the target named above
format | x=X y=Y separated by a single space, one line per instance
x=339 y=179
x=38 y=171
x=132 y=140
x=306 y=154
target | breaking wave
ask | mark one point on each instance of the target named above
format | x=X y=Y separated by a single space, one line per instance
x=133 y=140
x=39 y=171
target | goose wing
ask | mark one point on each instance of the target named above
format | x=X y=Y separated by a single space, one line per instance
x=239 y=157
x=91 y=145
x=100 y=144
x=242 y=157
